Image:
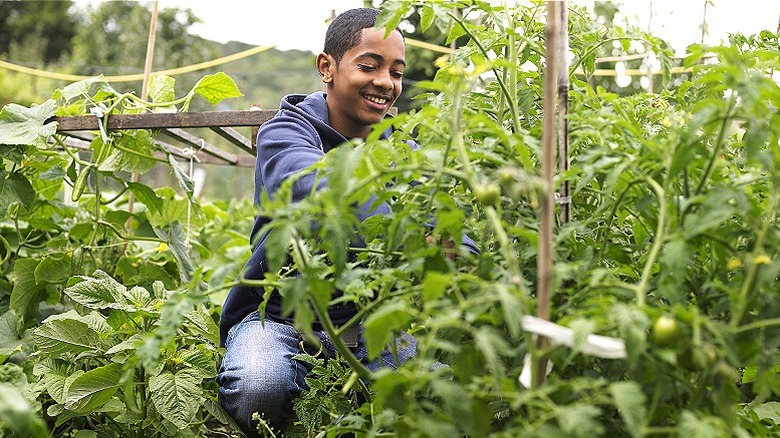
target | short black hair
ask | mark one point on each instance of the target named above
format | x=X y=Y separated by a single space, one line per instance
x=345 y=31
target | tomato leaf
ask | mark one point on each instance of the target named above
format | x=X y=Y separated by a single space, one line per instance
x=381 y=325
x=630 y=401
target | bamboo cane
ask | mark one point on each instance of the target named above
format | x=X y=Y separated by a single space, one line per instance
x=544 y=260
x=145 y=90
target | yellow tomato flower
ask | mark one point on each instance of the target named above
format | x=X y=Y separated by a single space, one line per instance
x=762 y=259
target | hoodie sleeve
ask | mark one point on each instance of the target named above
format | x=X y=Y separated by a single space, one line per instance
x=286 y=145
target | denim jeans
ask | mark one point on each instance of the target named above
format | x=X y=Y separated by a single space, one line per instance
x=259 y=374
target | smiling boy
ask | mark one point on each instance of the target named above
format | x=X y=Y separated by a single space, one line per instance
x=363 y=73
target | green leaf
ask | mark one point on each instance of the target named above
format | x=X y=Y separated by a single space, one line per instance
x=217 y=87
x=218 y=412
x=20 y=125
x=768 y=411
x=278 y=237
x=131 y=343
x=59 y=336
x=79 y=89
x=185 y=182
x=382 y=324
x=174 y=237
x=135 y=154
x=177 y=397
x=691 y=426
x=580 y=420
x=93 y=388
x=26 y=293
x=147 y=196
x=434 y=285
x=10 y=343
x=55 y=386
x=18 y=415
x=674 y=260
x=161 y=90
x=54 y=268
x=15 y=188
x=99 y=292
x=426 y=17
x=456 y=32
x=630 y=402
x=203 y=324
x=203 y=364
x=453 y=396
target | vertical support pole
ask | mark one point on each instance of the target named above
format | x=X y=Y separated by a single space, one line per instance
x=150 y=51
x=544 y=257
x=564 y=192
x=145 y=91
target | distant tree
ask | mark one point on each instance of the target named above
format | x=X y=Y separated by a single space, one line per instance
x=36 y=30
x=113 y=39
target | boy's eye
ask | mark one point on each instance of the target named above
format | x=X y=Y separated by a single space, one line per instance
x=397 y=74
x=365 y=67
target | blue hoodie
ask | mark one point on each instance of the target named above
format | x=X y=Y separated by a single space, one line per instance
x=297 y=137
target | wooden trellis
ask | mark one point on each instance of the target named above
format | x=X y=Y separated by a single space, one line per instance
x=80 y=130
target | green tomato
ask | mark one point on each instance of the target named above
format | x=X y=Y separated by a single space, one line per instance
x=506 y=176
x=487 y=194
x=666 y=330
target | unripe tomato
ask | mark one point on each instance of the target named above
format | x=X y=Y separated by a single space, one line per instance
x=506 y=176
x=487 y=194
x=665 y=330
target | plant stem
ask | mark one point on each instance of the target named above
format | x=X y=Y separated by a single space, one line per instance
x=641 y=291
x=757 y=325
x=320 y=307
x=718 y=145
x=511 y=100
x=752 y=272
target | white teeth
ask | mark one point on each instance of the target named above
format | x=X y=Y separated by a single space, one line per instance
x=377 y=100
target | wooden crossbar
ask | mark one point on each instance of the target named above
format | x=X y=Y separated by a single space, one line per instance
x=205 y=119
x=174 y=125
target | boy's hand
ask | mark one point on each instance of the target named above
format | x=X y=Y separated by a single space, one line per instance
x=448 y=245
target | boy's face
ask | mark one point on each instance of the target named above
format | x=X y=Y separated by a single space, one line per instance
x=366 y=82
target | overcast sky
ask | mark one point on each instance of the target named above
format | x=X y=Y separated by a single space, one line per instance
x=300 y=24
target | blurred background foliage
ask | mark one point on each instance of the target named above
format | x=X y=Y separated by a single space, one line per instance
x=110 y=38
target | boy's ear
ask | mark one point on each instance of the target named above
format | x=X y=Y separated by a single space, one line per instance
x=325 y=66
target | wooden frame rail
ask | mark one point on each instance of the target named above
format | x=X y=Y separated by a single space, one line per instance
x=175 y=125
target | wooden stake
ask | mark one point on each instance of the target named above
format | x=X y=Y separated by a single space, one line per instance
x=544 y=258
x=145 y=92
x=150 y=51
